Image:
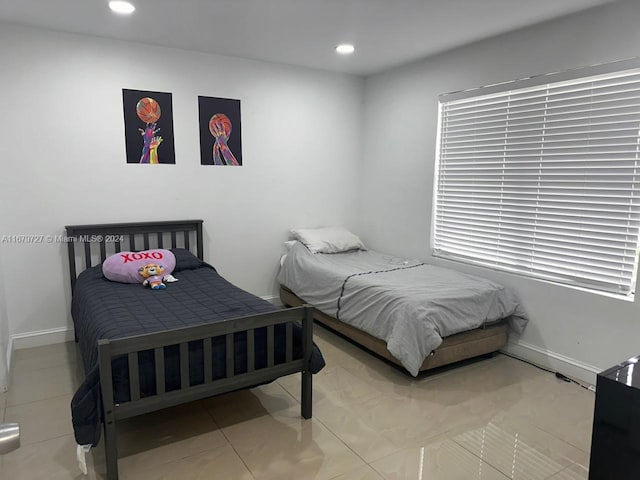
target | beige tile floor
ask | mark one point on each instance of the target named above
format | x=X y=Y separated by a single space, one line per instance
x=492 y=419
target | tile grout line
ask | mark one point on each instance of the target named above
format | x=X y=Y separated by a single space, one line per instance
x=176 y=460
x=567 y=468
x=194 y=454
x=69 y=361
x=356 y=468
x=558 y=438
x=376 y=471
x=230 y=444
x=328 y=429
x=495 y=467
x=557 y=473
x=564 y=469
x=46 y=399
x=26 y=371
x=40 y=400
x=22 y=444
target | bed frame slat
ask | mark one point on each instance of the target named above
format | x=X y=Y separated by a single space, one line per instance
x=208 y=369
x=307 y=378
x=160 y=240
x=145 y=237
x=198 y=332
x=118 y=247
x=71 y=250
x=134 y=377
x=132 y=242
x=230 y=356
x=184 y=365
x=197 y=392
x=199 y=241
x=251 y=350
x=159 y=364
x=289 y=341
x=103 y=251
x=174 y=243
x=186 y=240
x=270 y=349
x=87 y=255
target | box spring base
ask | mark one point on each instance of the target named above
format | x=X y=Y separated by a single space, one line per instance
x=455 y=348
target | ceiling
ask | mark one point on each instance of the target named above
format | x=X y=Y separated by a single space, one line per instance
x=386 y=33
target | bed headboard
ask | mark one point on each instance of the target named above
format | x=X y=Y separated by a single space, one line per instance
x=89 y=245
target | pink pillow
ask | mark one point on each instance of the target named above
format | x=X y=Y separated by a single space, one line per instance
x=123 y=267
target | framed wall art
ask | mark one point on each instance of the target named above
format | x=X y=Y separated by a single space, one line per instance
x=148 y=127
x=220 y=131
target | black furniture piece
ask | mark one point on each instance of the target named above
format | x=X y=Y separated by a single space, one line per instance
x=615 y=444
x=89 y=245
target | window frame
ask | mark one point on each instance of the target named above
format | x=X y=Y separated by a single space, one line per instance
x=524 y=83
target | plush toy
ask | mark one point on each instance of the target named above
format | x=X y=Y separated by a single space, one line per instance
x=127 y=267
x=153 y=276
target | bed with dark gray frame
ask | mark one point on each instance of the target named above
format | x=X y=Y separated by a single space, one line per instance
x=89 y=245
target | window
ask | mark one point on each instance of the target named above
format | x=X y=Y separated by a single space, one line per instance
x=543 y=179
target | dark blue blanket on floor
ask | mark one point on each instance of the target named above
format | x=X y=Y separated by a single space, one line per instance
x=105 y=309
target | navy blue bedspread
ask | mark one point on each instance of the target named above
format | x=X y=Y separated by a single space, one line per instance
x=105 y=309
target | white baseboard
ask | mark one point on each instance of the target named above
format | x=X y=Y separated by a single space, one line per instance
x=40 y=338
x=525 y=351
x=37 y=339
x=553 y=361
x=9 y=356
x=65 y=334
x=275 y=299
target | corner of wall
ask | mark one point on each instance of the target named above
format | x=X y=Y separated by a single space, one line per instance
x=552 y=361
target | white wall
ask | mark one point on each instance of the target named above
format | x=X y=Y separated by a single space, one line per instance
x=4 y=331
x=63 y=157
x=62 y=138
x=399 y=152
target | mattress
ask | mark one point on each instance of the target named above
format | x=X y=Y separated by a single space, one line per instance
x=104 y=309
x=409 y=304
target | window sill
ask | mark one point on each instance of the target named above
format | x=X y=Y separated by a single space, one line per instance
x=615 y=296
x=624 y=298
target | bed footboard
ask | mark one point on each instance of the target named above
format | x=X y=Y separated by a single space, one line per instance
x=131 y=346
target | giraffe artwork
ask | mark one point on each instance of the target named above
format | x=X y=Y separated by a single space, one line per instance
x=220 y=137
x=148 y=121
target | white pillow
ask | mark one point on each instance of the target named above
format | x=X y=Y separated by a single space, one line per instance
x=328 y=239
x=288 y=245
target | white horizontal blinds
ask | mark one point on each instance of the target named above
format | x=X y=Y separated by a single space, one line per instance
x=544 y=181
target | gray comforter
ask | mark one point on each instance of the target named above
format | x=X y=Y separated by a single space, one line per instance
x=410 y=305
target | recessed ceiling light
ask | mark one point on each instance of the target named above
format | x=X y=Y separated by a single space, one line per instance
x=124 y=8
x=345 y=49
